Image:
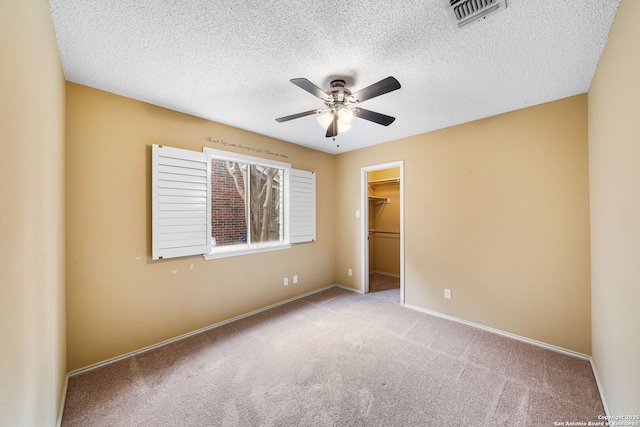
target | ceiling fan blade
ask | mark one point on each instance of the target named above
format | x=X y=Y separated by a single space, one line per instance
x=372 y=116
x=310 y=87
x=332 y=130
x=296 y=116
x=383 y=86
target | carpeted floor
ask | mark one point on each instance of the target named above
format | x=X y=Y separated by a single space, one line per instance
x=385 y=287
x=338 y=358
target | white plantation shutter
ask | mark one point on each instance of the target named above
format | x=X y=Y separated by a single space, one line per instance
x=302 y=208
x=180 y=218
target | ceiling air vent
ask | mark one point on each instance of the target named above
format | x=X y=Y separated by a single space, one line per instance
x=463 y=12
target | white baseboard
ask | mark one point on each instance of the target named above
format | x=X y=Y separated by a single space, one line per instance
x=62 y=400
x=348 y=288
x=600 y=389
x=385 y=273
x=197 y=331
x=503 y=333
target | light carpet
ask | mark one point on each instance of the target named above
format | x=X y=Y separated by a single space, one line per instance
x=338 y=358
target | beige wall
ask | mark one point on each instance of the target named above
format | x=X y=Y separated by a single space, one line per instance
x=32 y=325
x=614 y=161
x=118 y=300
x=497 y=210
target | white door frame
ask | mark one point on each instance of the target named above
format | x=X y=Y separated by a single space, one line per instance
x=364 y=192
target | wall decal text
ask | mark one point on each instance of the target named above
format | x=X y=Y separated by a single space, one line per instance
x=248 y=148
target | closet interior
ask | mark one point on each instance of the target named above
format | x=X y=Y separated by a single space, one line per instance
x=384 y=224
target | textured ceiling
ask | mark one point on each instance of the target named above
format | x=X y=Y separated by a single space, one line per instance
x=231 y=61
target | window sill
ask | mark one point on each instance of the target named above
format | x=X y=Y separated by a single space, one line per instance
x=246 y=251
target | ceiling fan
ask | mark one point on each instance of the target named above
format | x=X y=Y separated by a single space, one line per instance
x=340 y=104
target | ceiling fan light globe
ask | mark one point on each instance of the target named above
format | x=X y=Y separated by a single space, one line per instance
x=345 y=115
x=343 y=127
x=325 y=119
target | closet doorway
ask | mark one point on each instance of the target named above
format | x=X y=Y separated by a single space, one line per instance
x=383 y=228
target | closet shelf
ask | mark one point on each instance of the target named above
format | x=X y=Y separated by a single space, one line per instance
x=385 y=181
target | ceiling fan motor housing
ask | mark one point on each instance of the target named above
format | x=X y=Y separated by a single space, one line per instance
x=338 y=94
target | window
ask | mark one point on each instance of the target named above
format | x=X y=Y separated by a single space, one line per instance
x=247 y=203
x=222 y=204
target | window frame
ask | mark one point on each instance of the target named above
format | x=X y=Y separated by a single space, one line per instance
x=218 y=252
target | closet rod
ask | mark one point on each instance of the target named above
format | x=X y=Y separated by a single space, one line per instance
x=384 y=232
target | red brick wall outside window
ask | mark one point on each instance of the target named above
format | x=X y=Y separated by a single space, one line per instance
x=228 y=217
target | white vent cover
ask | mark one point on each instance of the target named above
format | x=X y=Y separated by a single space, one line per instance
x=463 y=12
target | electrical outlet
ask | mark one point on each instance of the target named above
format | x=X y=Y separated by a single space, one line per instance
x=295 y=279
x=350 y=271
x=357 y=214
x=447 y=293
x=286 y=281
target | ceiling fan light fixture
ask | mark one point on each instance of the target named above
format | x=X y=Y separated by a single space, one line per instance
x=326 y=120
